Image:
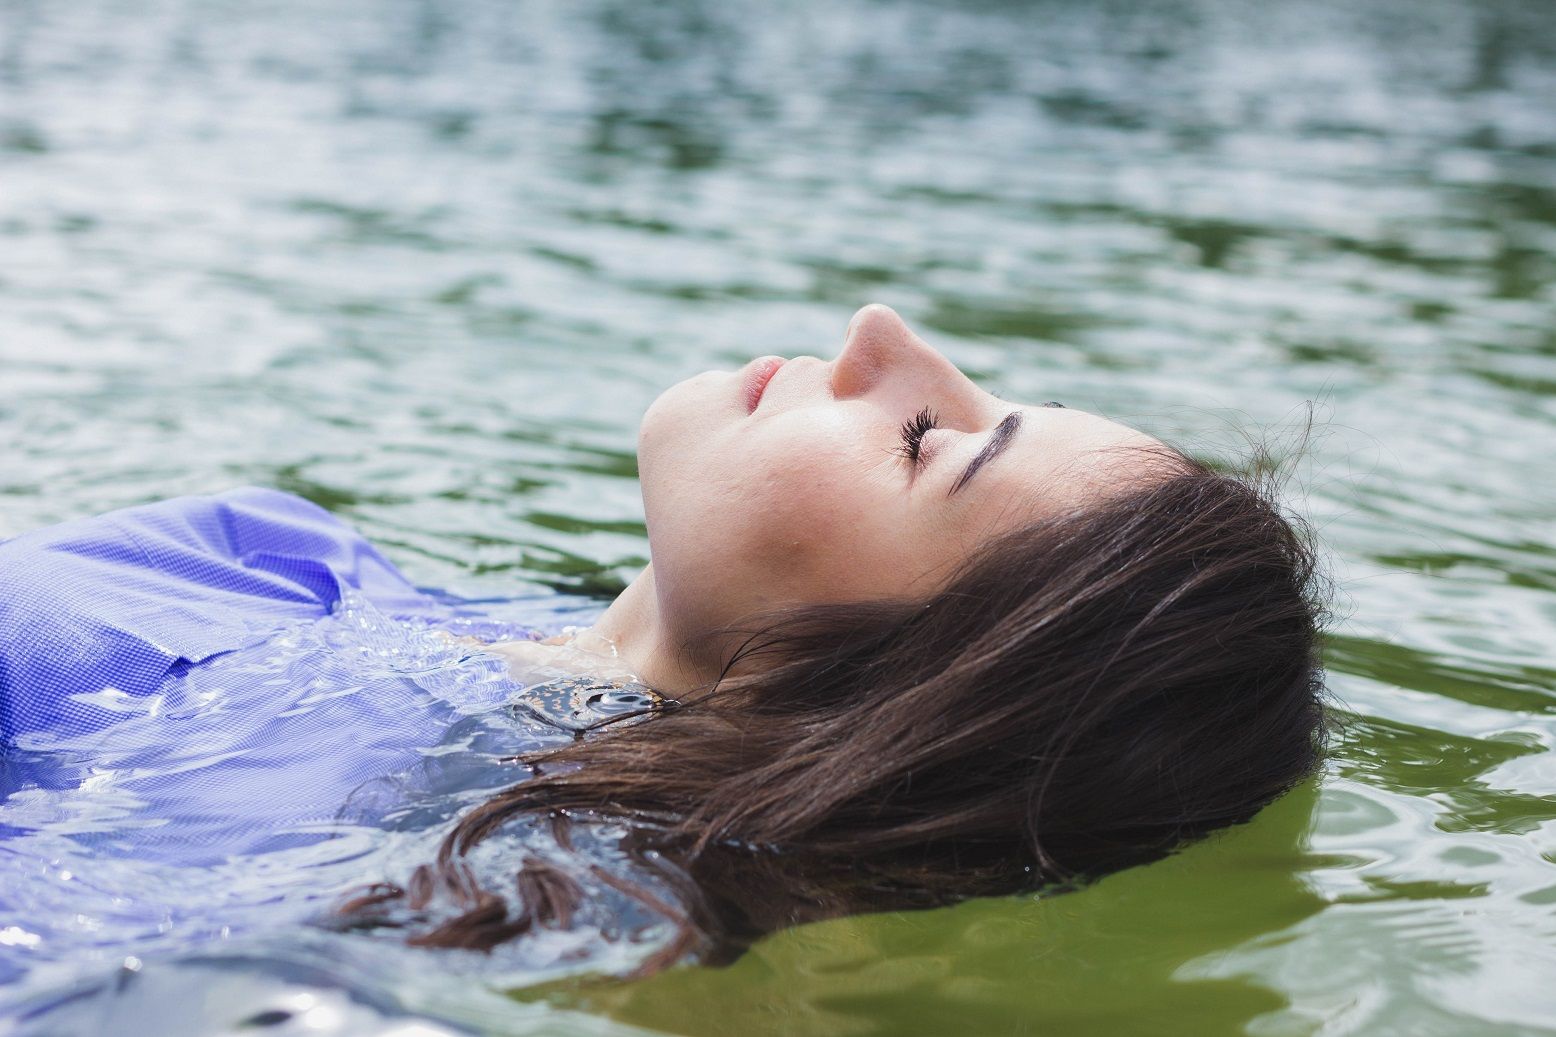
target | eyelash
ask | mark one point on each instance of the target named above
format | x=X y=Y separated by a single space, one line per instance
x=913 y=431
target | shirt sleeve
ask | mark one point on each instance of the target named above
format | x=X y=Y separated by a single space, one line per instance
x=101 y=608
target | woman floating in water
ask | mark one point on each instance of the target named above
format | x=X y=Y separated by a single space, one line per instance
x=901 y=642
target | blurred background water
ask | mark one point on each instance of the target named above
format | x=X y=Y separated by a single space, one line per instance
x=426 y=263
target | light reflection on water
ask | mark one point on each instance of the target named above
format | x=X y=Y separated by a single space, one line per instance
x=428 y=263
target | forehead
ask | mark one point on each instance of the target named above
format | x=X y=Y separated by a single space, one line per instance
x=1057 y=459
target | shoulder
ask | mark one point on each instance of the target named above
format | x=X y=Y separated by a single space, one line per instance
x=117 y=599
x=207 y=519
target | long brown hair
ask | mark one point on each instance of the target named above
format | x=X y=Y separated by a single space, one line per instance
x=1085 y=693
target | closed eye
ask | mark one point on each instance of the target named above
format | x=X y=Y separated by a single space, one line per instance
x=912 y=434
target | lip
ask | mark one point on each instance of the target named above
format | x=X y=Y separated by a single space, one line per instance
x=755 y=383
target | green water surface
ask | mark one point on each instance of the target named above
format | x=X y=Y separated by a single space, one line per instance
x=427 y=263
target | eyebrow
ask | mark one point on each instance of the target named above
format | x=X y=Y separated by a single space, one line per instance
x=999 y=439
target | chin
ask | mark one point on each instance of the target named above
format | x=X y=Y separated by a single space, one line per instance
x=679 y=431
x=681 y=417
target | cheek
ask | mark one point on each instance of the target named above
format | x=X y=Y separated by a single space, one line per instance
x=793 y=519
x=743 y=517
x=824 y=531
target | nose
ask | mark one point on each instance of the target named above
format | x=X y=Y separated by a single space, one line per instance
x=879 y=349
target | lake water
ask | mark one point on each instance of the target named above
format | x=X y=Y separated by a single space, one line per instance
x=427 y=263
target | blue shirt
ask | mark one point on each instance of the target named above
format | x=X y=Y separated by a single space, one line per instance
x=214 y=709
x=121 y=600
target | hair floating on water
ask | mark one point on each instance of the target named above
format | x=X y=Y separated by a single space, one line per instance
x=1085 y=694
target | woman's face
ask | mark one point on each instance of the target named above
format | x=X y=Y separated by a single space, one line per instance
x=808 y=496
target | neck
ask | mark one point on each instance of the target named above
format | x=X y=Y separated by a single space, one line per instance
x=634 y=625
